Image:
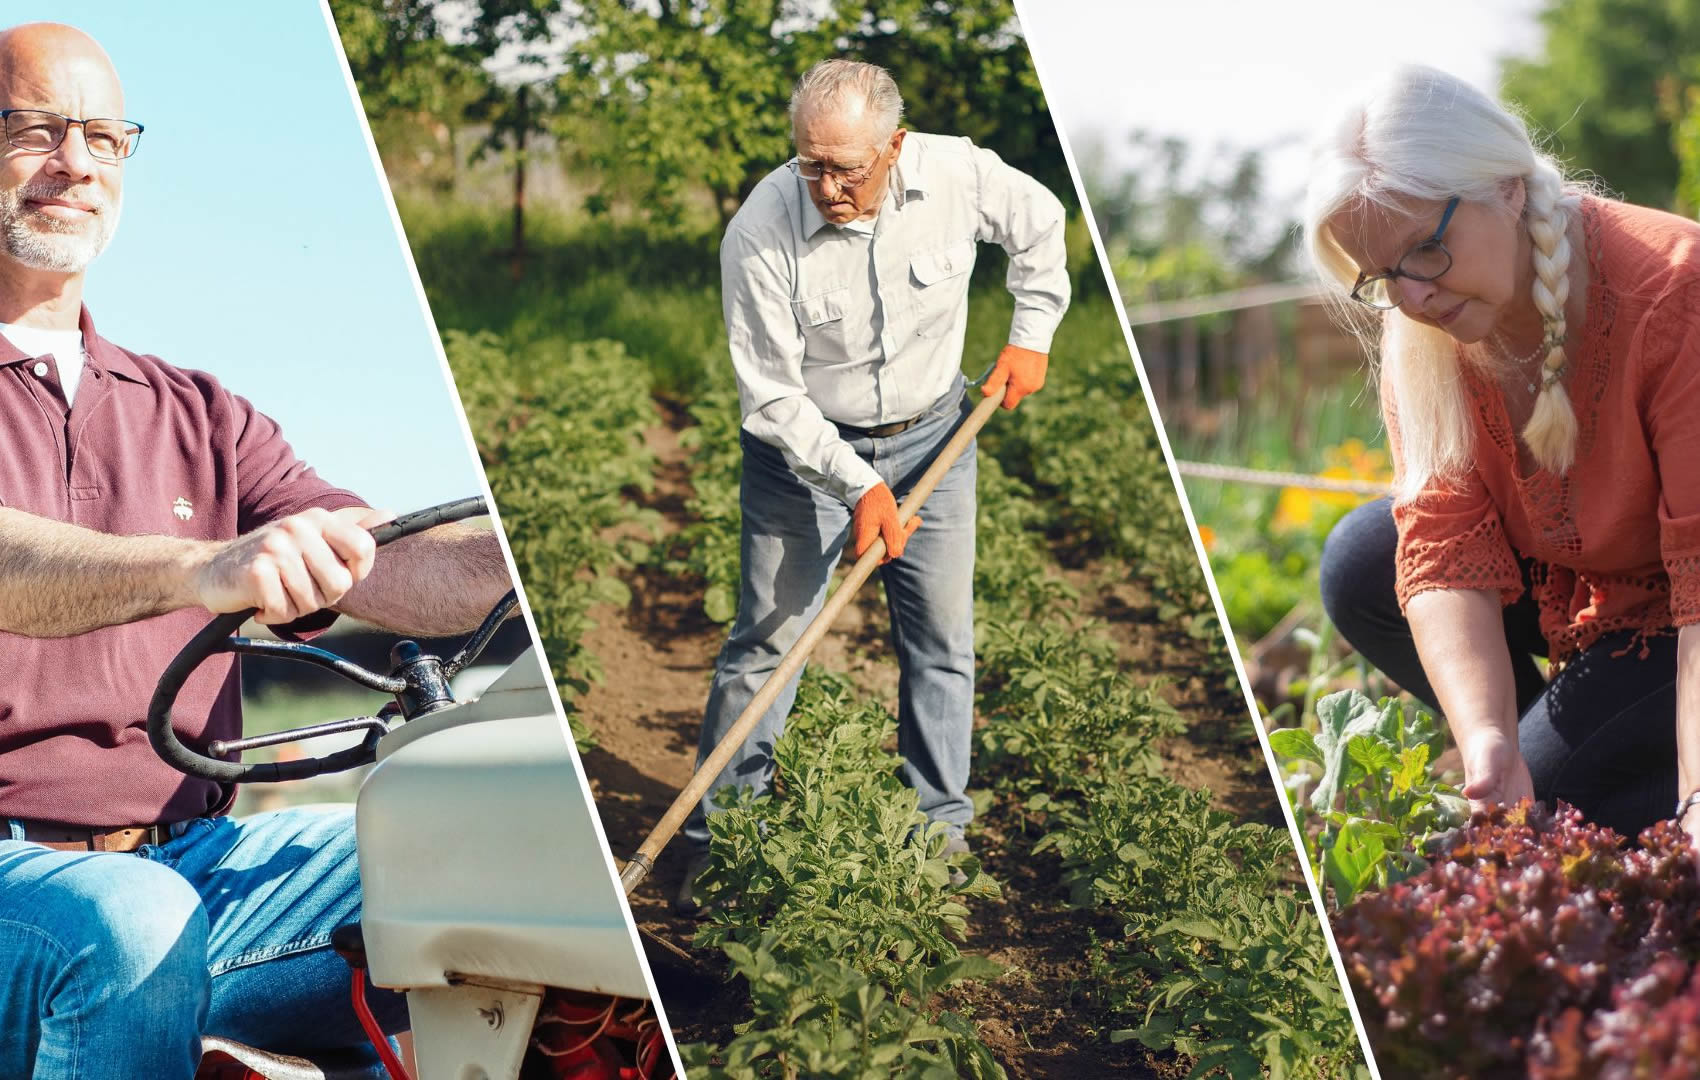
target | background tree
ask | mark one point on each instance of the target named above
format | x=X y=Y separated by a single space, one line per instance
x=671 y=99
x=415 y=86
x=1178 y=224
x=1610 y=87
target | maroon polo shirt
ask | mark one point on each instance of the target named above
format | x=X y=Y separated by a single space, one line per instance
x=147 y=449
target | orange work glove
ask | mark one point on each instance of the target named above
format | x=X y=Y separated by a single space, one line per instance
x=876 y=515
x=1022 y=369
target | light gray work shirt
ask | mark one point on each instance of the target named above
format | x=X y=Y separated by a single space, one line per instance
x=863 y=324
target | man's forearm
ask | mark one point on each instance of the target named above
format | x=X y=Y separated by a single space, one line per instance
x=434 y=584
x=59 y=580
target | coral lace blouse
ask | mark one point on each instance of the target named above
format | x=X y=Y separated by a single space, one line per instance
x=1614 y=544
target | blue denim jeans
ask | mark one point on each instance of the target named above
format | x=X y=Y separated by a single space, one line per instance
x=114 y=965
x=1601 y=735
x=793 y=536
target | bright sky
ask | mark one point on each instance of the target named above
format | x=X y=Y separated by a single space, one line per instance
x=1249 y=72
x=256 y=242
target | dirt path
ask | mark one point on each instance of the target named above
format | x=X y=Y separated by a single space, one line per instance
x=658 y=657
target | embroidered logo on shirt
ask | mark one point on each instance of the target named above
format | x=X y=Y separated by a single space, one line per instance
x=183 y=508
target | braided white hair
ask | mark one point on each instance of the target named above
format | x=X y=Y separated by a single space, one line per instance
x=1422 y=135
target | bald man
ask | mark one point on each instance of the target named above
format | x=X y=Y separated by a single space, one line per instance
x=136 y=500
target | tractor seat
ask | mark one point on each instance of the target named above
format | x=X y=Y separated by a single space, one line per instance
x=226 y=1059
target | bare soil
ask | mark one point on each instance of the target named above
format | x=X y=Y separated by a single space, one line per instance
x=1039 y=1018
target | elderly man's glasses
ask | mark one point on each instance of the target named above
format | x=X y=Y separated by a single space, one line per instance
x=847 y=179
x=41 y=132
x=1425 y=262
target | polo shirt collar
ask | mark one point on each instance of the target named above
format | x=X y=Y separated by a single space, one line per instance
x=105 y=355
x=908 y=177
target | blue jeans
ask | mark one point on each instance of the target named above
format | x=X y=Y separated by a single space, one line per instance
x=1601 y=735
x=114 y=965
x=793 y=536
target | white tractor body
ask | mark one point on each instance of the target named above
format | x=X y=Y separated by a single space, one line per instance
x=481 y=859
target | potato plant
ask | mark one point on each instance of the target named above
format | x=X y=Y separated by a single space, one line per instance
x=835 y=859
x=1221 y=958
x=822 y=1017
x=707 y=548
x=830 y=895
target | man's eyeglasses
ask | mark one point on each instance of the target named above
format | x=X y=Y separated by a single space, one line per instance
x=1425 y=262
x=847 y=179
x=41 y=132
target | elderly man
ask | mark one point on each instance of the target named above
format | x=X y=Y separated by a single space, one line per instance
x=844 y=282
x=137 y=498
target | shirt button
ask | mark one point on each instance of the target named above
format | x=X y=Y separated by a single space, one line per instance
x=40 y=369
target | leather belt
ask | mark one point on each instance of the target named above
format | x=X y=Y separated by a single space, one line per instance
x=84 y=838
x=883 y=431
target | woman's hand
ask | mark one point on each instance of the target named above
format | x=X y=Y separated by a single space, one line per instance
x=1690 y=823
x=1494 y=770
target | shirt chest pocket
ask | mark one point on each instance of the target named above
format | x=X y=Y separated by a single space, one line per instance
x=821 y=318
x=940 y=284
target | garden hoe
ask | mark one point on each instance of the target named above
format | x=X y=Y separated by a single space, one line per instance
x=643 y=861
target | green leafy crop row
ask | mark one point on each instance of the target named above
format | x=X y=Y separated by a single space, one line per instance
x=830 y=896
x=1221 y=957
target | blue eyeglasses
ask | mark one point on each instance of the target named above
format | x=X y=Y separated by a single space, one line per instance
x=1425 y=262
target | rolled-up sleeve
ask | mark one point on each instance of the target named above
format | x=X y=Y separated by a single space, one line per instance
x=1670 y=349
x=767 y=356
x=1020 y=215
x=1451 y=535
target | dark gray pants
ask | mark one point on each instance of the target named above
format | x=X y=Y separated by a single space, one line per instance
x=1601 y=736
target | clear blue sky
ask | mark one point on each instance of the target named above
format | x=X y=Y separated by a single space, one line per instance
x=256 y=242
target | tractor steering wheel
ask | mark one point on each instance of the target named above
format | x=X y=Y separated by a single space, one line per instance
x=418 y=680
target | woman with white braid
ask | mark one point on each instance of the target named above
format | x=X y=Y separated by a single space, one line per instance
x=1540 y=379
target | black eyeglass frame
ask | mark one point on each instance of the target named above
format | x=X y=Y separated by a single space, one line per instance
x=1396 y=272
x=132 y=134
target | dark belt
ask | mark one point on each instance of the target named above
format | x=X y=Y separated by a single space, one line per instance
x=884 y=431
x=86 y=838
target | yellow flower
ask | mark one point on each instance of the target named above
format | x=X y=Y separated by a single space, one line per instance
x=1297 y=508
x=1208 y=536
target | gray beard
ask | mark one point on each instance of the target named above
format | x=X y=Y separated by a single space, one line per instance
x=40 y=243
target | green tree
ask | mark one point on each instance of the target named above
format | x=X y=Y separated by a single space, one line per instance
x=1610 y=87
x=416 y=87
x=1688 y=155
x=674 y=97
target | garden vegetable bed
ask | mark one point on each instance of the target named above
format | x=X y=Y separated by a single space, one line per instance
x=1121 y=924
x=1521 y=942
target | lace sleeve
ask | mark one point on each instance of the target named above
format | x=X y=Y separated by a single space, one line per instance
x=1669 y=357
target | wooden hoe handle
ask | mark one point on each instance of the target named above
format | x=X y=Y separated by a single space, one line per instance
x=644 y=860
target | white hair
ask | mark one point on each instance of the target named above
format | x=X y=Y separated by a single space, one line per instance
x=830 y=82
x=1421 y=135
